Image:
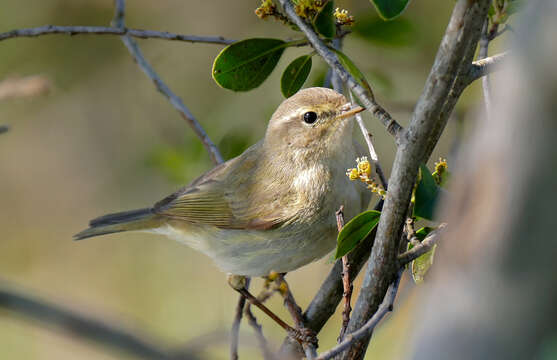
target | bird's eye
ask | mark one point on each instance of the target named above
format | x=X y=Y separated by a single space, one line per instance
x=310 y=117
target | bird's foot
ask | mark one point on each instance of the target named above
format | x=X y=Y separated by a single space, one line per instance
x=303 y=335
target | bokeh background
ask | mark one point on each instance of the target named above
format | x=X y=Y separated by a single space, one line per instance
x=101 y=139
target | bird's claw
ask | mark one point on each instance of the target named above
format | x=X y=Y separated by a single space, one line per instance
x=303 y=335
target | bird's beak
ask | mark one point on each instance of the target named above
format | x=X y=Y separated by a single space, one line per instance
x=348 y=111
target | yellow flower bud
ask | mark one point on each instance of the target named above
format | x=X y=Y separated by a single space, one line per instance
x=441 y=166
x=353 y=174
x=364 y=166
x=342 y=17
x=283 y=287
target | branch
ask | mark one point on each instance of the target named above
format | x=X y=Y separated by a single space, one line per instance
x=365 y=96
x=426 y=125
x=161 y=86
x=262 y=342
x=82 y=326
x=234 y=332
x=366 y=330
x=295 y=311
x=485 y=66
x=325 y=302
x=104 y=30
x=346 y=281
x=421 y=247
x=487 y=33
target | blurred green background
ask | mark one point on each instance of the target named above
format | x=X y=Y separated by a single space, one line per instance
x=104 y=140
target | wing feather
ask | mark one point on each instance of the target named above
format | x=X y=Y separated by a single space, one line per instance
x=228 y=197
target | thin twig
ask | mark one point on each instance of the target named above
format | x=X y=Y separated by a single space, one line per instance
x=485 y=66
x=365 y=95
x=261 y=341
x=487 y=33
x=346 y=281
x=105 y=30
x=178 y=104
x=373 y=155
x=365 y=133
x=366 y=330
x=295 y=311
x=422 y=247
x=56 y=317
x=234 y=332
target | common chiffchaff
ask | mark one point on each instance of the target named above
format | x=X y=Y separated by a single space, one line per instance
x=273 y=207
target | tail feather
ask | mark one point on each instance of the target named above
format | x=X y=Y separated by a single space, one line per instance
x=118 y=222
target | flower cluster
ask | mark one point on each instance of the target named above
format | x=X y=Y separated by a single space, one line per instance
x=308 y=8
x=266 y=9
x=343 y=18
x=362 y=172
x=441 y=166
x=440 y=173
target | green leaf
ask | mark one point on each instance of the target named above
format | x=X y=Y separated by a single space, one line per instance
x=324 y=22
x=295 y=75
x=244 y=65
x=421 y=265
x=390 y=9
x=355 y=231
x=426 y=195
x=399 y=32
x=423 y=232
x=353 y=70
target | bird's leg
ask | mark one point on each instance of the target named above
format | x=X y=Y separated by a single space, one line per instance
x=238 y=283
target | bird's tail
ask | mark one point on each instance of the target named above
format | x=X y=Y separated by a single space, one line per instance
x=141 y=219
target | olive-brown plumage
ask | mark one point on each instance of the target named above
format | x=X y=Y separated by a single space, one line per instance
x=271 y=208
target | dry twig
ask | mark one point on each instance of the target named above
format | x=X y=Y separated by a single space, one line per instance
x=235 y=330
x=366 y=330
x=261 y=341
x=346 y=281
x=487 y=33
x=310 y=344
x=161 y=86
x=421 y=247
x=104 y=30
x=373 y=155
x=485 y=66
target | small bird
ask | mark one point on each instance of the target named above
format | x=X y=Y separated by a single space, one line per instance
x=273 y=207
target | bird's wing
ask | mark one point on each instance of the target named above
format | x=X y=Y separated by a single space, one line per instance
x=229 y=197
